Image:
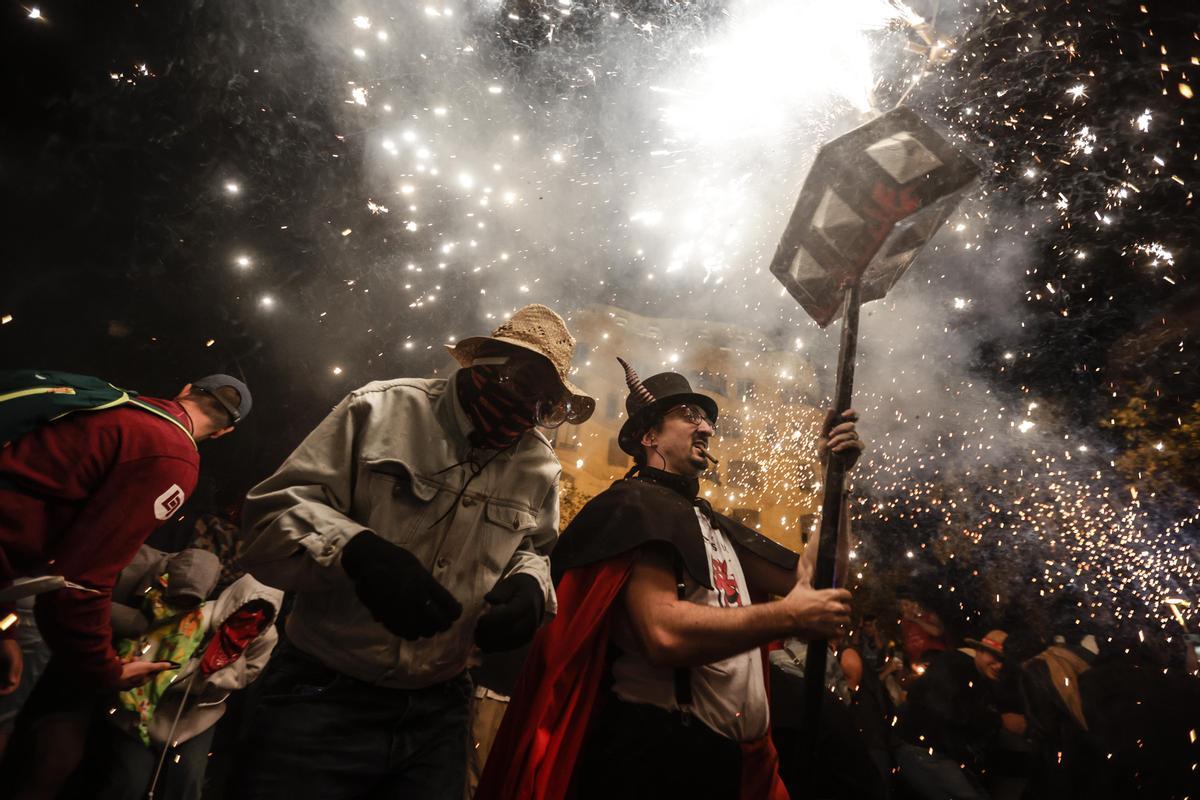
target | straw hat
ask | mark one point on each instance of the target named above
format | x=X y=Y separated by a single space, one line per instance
x=993 y=642
x=537 y=329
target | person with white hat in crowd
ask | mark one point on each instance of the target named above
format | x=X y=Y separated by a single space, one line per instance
x=413 y=524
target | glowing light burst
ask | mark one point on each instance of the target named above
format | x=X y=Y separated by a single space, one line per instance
x=778 y=60
x=1157 y=253
x=779 y=79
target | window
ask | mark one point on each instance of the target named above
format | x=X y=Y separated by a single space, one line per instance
x=745 y=474
x=711 y=382
x=809 y=527
x=747 y=516
x=612 y=406
x=566 y=437
x=616 y=456
x=796 y=393
x=729 y=426
x=713 y=474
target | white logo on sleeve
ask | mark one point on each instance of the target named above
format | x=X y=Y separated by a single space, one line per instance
x=168 y=502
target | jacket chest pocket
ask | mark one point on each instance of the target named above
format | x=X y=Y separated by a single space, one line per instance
x=400 y=501
x=505 y=526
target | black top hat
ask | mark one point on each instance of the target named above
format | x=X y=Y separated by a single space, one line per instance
x=648 y=400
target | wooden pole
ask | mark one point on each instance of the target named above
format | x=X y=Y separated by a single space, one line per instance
x=831 y=520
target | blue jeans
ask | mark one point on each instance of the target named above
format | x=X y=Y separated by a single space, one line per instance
x=35 y=655
x=318 y=733
x=933 y=776
x=130 y=766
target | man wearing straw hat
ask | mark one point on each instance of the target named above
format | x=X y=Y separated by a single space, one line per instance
x=413 y=524
x=650 y=680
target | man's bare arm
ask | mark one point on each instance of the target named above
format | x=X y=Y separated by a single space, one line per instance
x=676 y=633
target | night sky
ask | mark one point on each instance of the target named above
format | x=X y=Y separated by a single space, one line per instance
x=230 y=186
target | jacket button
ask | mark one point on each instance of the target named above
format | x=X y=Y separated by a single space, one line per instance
x=468 y=502
x=443 y=562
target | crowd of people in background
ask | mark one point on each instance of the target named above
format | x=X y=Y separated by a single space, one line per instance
x=394 y=613
x=1022 y=713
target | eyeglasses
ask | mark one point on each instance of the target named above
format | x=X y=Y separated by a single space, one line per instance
x=552 y=414
x=692 y=414
x=534 y=382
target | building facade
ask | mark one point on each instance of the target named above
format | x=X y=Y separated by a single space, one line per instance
x=768 y=476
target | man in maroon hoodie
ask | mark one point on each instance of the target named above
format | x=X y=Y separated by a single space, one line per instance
x=79 y=496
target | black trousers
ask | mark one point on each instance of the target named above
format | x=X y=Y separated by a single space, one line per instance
x=636 y=751
x=321 y=734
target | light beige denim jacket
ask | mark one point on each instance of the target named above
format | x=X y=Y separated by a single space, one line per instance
x=389 y=459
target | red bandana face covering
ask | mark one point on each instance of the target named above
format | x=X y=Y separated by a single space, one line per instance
x=235 y=634
x=498 y=418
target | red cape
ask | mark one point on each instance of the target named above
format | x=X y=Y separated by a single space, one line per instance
x=543 y=730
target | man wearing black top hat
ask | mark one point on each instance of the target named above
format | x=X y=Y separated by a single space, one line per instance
x=650 y=681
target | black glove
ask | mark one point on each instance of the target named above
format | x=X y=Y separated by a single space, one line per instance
x=517 y=606
x=397 y=589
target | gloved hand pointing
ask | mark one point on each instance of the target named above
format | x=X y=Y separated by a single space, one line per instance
x=397 y=589
x=517 y=604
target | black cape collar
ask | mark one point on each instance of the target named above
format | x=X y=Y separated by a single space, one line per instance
x=686 y=487
x=654 y=507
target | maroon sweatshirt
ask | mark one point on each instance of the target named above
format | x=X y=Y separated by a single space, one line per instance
x=92 y=487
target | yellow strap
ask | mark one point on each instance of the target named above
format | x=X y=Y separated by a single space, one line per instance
x=37 y=390
x=123 y=399
x=159 y=412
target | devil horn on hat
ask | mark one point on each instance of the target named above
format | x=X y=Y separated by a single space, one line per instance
x=636 y=387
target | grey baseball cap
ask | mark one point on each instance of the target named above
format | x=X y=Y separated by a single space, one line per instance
x=211 y=383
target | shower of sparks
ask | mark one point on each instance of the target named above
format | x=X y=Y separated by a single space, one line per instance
x=695 y=202
x=656 y=168
x=1157 y=253
x=692 y=205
